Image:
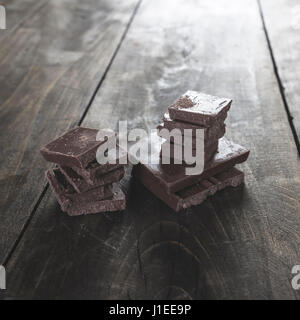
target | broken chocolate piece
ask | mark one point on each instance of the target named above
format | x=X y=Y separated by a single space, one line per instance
x=188 y=140
x=77 y=147
x=209 y=151
x=95 y=170
x=195 y=194
x=214 y=132
x=199 y=108
x=116 y=203
x=80 y=185
x=172 y=177
x=66 y=195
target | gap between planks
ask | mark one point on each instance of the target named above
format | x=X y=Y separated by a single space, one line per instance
x=15 y=245
x=279 y=82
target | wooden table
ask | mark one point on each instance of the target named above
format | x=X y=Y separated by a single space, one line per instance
x=96 y=62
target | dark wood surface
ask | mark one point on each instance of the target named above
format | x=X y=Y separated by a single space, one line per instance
x=283 y=27
x=18 y=12
x=240 y=244
x=48 y=77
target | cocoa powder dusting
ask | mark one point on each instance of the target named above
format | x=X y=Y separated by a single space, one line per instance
x=184 y=102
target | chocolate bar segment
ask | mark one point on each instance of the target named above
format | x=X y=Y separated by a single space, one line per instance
x=95 y=170
x=190 y=141
x=77 y=147
x=195 y=194
x=209 y=150
x=116 y=203
x=172 y=177
x=214 y=132
x=66 y=195
x=80 y=185
x=200 y=108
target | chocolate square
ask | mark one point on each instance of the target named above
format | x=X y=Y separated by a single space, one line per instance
x=199 y=108
x=80 y=185
x=77 y=147
x=94 y=170
x=68 y=198
x=209 y=151
x=115 y=203
x=214 y=132
x=196 y=193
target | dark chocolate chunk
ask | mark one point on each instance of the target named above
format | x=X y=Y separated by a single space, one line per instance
x=116 y=203
x=188 y=140
x=67 y=197
x=214 y=132
x=172 y=177
x=80 y=185
x=209 y=151
x=200 y=108
x=77 y=147
x=95 y=170
x=195 y=194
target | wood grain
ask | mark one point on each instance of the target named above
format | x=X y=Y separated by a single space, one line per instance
x=240 y=244
x=50 y=66
x=17 y=13
x=283 y=27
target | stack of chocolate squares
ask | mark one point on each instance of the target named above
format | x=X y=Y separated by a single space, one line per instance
x=169 y=182
x=80 y=184
x=181 y=118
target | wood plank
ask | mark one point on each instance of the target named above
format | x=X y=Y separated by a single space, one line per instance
x=50 y=69
x=242 y=243
x=17 y=13
x=283 y=26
